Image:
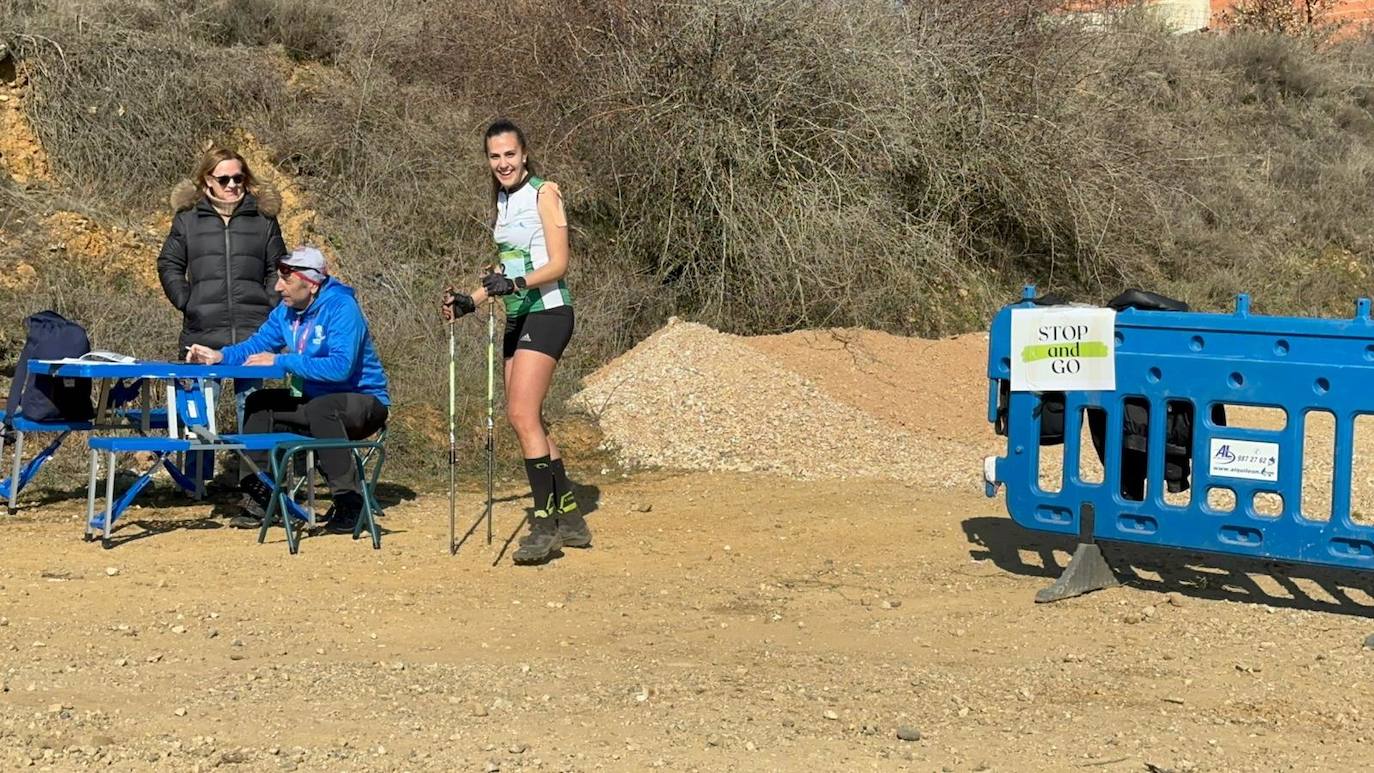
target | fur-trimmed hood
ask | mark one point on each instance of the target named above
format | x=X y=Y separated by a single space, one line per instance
x=186 y=194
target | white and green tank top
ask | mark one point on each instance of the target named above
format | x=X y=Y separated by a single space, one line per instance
x=519 y=235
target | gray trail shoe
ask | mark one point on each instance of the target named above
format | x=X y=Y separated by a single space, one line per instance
x=246 y=519
x=541 y=542
x=573 y=531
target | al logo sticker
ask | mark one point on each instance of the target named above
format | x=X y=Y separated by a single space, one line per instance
x=1246 y=459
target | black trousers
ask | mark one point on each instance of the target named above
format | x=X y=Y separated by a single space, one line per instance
x=346 y=415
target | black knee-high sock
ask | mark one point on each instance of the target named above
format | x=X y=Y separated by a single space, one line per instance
x=562 y=487
x=540 y=473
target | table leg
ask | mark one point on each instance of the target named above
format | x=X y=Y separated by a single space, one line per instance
x=102 y=408
x=208 y=390
x=173 y=425
x=3 y=433
x=14 y=477
x=90 y=492
x=145 y=404
x=109 y=495
x=310 y=482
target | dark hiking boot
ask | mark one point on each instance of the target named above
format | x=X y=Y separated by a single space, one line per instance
x=541 y=542
x=257 y=493
x=573 y=531
x=348 y=508
x=257 y=489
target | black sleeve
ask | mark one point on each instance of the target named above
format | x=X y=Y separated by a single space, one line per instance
x=171 y=267
x=276 y=250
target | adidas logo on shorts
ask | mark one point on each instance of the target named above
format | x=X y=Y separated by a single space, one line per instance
x=526 y=337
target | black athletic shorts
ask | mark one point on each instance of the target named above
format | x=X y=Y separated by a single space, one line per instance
x=545 y=331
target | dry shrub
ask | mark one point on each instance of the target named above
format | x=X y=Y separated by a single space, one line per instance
x=1306 y=18
x=772 y=166
x=123 y=113
x=308 y=30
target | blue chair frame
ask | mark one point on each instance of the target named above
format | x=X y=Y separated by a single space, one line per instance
x=282 y=461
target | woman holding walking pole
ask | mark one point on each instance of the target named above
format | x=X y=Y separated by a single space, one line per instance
x=531 y=234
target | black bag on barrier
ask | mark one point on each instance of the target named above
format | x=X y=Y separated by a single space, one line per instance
x=1135 y=419
x=1146 y=301
x=45 y=398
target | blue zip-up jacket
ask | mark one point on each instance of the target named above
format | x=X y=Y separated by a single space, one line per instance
x=328 y=345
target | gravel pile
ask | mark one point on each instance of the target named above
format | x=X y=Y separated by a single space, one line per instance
x=689 y=397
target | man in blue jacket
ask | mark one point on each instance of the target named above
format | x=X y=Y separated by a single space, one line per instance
x=338 y=388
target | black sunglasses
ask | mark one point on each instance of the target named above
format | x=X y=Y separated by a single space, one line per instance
x=225 y=179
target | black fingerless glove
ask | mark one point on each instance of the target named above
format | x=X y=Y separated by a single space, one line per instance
x=497 y=284
x=461 y=304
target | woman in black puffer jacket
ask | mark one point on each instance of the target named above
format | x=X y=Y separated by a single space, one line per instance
x=218 y=265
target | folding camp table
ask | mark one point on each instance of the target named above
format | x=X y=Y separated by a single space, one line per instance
x=184 y=382
x=189 y=413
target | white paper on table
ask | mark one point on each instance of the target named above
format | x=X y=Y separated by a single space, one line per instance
x=85 y=359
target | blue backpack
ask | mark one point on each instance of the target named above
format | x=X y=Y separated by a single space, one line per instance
x=45 y=398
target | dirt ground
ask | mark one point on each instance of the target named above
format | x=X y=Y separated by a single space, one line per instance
x=722 y=621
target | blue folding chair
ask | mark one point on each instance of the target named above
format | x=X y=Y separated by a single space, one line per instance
x=365 y=453
x=23 y=472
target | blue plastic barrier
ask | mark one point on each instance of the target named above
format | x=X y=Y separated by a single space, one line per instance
x=1195 y=361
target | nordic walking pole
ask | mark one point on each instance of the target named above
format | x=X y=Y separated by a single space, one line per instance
x=452 y=444
x=491 y=391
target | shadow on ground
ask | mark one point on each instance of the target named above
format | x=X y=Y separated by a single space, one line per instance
x=1200 y=575
x=221 y=503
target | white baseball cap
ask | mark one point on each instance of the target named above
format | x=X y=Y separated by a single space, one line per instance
x=307 y=261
